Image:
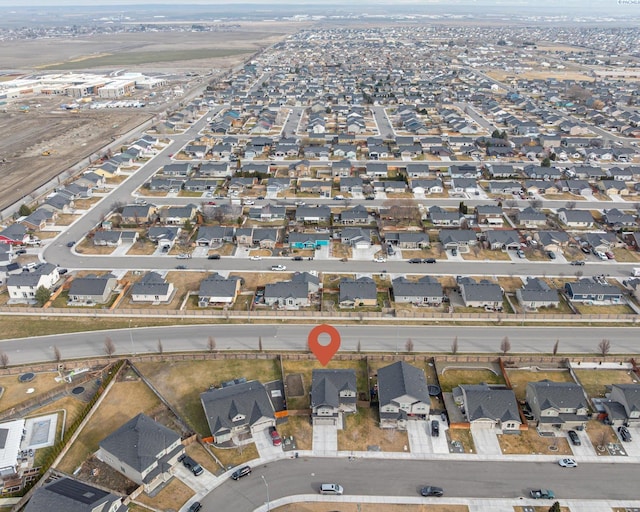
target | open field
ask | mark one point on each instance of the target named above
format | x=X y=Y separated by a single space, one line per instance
x=182 y=382
x=75 y=135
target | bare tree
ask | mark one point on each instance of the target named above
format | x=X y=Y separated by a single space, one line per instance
x=57 y=356
x=211 y=344
x=358 y=347
x=4 y=359
x=556 y=345
x=535 y=203
x=603 y=438
x=260 y=343
x=604 y=347
x=408 y=346
x=109 y=347
x=454 y=346
x=505 y=345
x=160 y=346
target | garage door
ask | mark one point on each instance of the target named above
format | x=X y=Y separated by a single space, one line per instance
x=324 y=421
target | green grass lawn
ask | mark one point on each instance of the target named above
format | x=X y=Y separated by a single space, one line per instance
x=451 y=378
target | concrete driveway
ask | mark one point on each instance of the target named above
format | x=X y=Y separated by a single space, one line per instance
x=486 y=441
x=632 y=447
x=422 y=442
x=265 y=445
x=201 y=484
x=325 y=440
x=585 y=448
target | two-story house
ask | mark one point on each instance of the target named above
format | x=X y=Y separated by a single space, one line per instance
x=403 y=395
x=557 y=405
x=333 y=393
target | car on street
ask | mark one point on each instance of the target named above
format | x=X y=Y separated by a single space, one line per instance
x=573 y=436
x=249 y=202
x=431 y=490
x=21 y=251
x=379 y=260
x=430 y=260
x=180 y=267
x=542 y=494
x=240 y=472
x=625 y=433
x=183 y=256
x=300 y=203
x=213 y=257
x=62 y=271
x=195 y=506
x=331 y=489
x=568 y=462
x=71 y=244
x=297 y=258
x=278 y=268
x=577 y=263
x=415 y=260
x=275 y=437
x=255 y=258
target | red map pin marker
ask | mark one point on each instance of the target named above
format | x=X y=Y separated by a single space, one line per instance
x=324 y=353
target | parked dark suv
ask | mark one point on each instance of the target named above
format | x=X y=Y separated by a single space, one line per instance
x=575 y=440
x=435 y=428
x=192 y=465
x=195 y=506
x=625 y=434
x=240 y=472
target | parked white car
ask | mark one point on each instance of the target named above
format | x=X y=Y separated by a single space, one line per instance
x=255 y=258
x=278 y=267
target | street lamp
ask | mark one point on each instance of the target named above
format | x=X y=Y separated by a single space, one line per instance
x=133 y=352
x=267 y=486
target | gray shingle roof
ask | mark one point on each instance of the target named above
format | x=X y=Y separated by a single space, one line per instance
x=139 y=442
x=399 y=379
x=222 y=405
x=422 y=288
x=558 y=395
x=362 y=288
x=484 y=402
x=327 y=384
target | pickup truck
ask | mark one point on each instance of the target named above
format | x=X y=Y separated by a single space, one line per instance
x=542 y=494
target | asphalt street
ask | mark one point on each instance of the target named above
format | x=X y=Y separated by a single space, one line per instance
x=286 y=337
x=388 y=477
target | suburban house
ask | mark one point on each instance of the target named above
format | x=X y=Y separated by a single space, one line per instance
x=38 y=220
x=552 y=240
x=503 y=239
x=457 y=238
x=356 y=215
x=92 y=289
x=163 y=236
x=358 y=292
x=178 y=215
x=143 y=450
x=152 y=288
x=73 y=496
x=22 y=287
x=623 y=404
x=333 y=393
x=313 y=214
x=575 y=218
x=292 y=294
x=14 y=234
x=487 y=406
x=403 y=395
x=536 y=293
x=482 y=294
x=209 y=236
x=268 y=212
x=408 y=239
x=426 y=291
x=491 y=214
x=592 y=290
x=441 y=217
x=557 y=405
x=218 y=290
x=235 y=410
x=138 y=213
x=531 y=218
x=309 y=240
x=114 y=238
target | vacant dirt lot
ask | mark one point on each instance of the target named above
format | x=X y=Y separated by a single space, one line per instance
x=72 y=136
